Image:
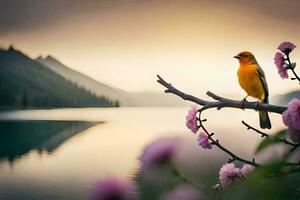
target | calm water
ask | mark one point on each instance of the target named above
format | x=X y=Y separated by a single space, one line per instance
x=59 y=154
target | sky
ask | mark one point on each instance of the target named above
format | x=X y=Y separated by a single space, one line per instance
x=125 y=43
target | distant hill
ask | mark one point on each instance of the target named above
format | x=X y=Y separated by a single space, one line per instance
x=26 y=83
x=125 y=98
x=84 y=81
x=284 y=99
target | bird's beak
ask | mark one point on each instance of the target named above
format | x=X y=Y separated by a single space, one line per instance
x=237 y=56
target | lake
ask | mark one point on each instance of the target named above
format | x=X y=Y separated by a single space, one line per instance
x=59 y=153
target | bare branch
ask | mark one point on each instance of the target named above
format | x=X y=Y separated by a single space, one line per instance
x=283 y=140
x=220 y=102
x=249 y=127
x=292 y=68
x=216 y=142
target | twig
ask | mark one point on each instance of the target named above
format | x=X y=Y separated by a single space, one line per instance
x=254 y=129
x=249 y=127
x=292 y=68
x=220 y=102
x=296 y=146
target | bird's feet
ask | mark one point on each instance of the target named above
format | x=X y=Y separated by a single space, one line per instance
x=242 y=103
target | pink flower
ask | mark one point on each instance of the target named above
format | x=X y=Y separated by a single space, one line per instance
x=279 y=62
x=286 y=47
x=291 y=117
x=203 y=141
x=183 y=192
x=247 y=169
x=294 y=135
x=191 y=119
x=114 y=188
x=159 y=151
x=228 y=173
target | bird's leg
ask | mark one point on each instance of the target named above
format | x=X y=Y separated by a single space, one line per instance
x=242 y=103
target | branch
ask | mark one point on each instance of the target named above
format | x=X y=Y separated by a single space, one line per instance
x=292 y=68
x=283 y=140
x=220 y=102
x=217 y=143
x=254 y=129
x=249 y=127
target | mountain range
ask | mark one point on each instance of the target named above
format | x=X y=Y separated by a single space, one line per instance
x=26 y=83
x=127 y=99
x=111 y=92
x=83 y=81
x=47 y=82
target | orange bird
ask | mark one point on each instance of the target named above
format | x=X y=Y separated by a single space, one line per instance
x=253 y=80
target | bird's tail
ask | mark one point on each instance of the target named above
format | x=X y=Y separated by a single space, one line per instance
x=264 y=120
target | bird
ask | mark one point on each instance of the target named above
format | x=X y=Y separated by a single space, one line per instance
x=252 y=79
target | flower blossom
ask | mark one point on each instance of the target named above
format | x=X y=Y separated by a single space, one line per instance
x=279 y=62
x=228 y=173
x=114 y=188
x=191 y=119
x=159 y=151
x=286 y=47
x=247 y=169
x=203 y=141
x=183 y=192
x=291 y=117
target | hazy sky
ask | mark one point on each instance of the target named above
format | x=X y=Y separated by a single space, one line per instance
x=127 y=42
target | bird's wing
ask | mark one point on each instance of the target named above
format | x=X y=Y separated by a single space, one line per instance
x=263 y=80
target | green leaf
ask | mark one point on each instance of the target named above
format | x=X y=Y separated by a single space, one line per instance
x=268 y=141
x=268 y=169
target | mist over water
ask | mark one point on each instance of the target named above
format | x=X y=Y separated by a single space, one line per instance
x=74 y=150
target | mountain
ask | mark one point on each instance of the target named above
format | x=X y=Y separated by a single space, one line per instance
x=84 y=81
x=27 y=83
x=125 y=98
x=284 y=99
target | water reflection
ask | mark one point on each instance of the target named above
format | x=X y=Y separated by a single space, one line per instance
x=111 y=148
x=20 y=137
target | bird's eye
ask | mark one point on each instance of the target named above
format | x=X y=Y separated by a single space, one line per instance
x=245 y=56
